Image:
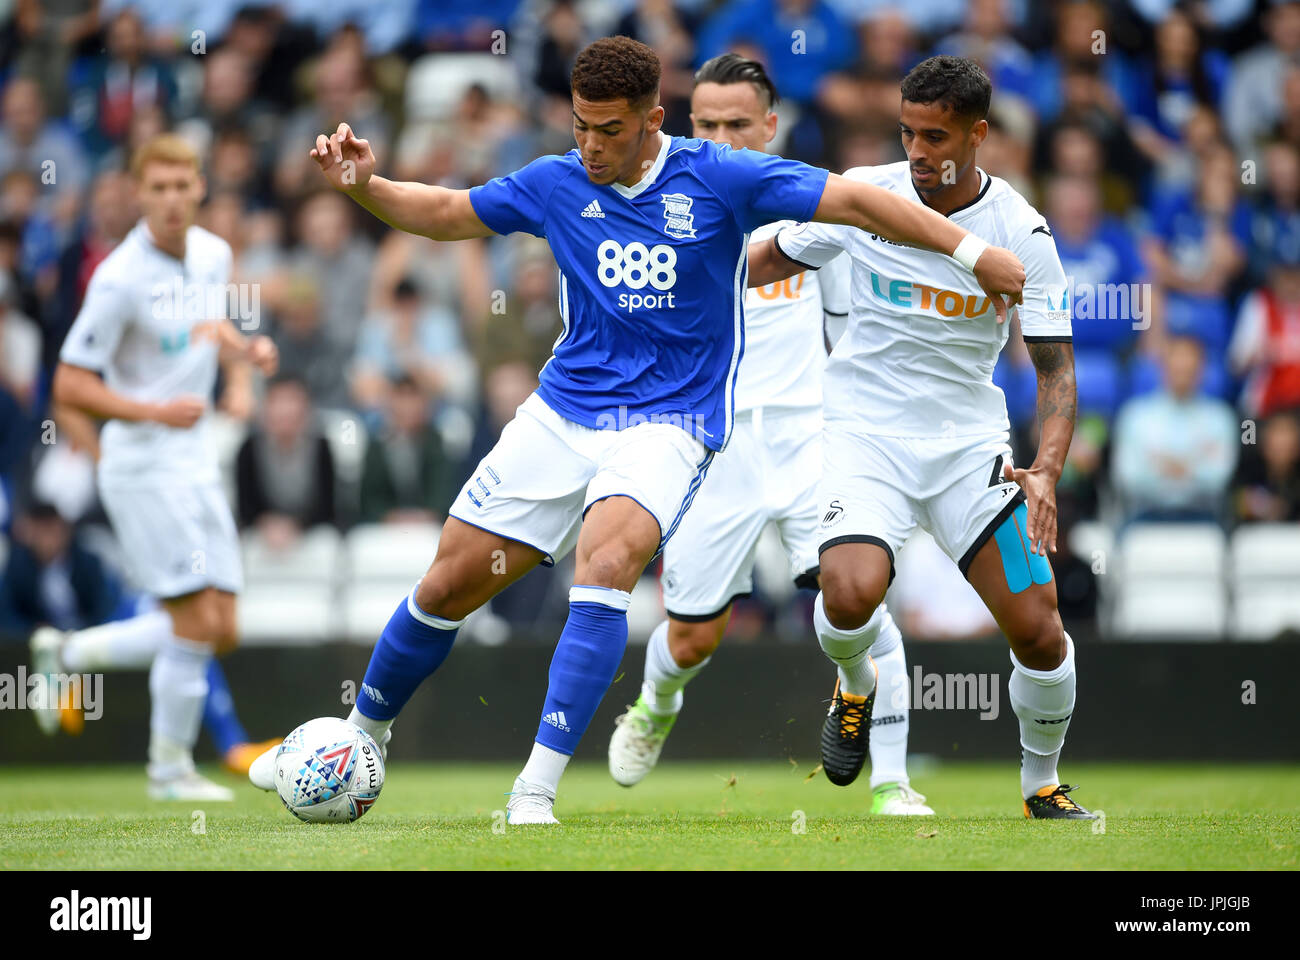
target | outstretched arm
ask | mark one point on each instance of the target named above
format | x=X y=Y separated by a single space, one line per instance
x=875 y=209
x=767 y=264
x=1054 y=361
x=348 y=164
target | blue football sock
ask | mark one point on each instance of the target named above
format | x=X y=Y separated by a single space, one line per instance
x=412 y=646
x=219 y=717
x=590 y=650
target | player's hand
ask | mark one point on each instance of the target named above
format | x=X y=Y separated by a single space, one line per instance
x=183 y=412
x=1002 y=276
x=1040 y=494
x=347 y=162
x=262 y=353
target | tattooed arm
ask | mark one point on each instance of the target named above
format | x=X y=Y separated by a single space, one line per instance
x=1054 y=362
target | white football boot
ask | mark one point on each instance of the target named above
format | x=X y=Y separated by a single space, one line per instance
x=45 y=643
x=898 y=800
x=190 y=786
x=638 y=739
x=529 y=804
x=261 y=772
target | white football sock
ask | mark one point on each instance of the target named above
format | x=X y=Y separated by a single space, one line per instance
x=129 y=644
x=376 y=728
x=664 y=676
x=889 y=716
x=1043 y=701
x=178 y=685
x=544 y=768
x=848 y=648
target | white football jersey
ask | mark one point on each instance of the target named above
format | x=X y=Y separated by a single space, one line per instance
x=149 y=324
x=785 y=341
x=917 y=359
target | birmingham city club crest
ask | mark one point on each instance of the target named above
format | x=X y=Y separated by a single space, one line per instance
x=677 y=211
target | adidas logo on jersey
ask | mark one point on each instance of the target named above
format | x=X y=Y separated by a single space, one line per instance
x=558 y=720
x=593 y=210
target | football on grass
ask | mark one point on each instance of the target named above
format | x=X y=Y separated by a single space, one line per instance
x=328 y=771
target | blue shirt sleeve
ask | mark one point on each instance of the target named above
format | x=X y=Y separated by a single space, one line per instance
x=763 y=188
x=517 y=201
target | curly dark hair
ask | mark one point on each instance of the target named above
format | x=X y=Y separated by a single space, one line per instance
x=617 y=68
x=955 y=83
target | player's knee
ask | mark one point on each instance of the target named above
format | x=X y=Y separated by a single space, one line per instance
x=614 y=564
x=436 y=596
x=850 y=598
x=1040 y=643
x=692 y=643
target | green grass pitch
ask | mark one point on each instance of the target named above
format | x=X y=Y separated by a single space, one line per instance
x=715 y=815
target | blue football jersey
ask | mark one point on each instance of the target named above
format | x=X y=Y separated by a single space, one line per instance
x=652 y=277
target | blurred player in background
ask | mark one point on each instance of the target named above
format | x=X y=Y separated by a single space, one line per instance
x=154 y=321
x=767 y=475
x=649 y=232
x=917 y=433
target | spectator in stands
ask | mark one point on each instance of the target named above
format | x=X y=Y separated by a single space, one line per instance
x=1183 y=76
x=419 y=340
x=307 y=353
x=51 y=579
x=40 y=235
x=1197 y=248
x=44 y=150
x=1265 y=347
x=1268 y=477
x=986 y=38
x=1175 y=450
x=824 y=41
x=528 y=321
x=284 y=470
x=1100 y=257
x=336 y=260
x=342 y=90
x=1276 y=222
x=1252 y=102
x=407 y=477
x=124 y=79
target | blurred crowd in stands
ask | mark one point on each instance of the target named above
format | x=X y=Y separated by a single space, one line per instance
x=1160 y=139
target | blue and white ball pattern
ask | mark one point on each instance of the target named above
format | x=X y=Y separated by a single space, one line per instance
x=328 y=771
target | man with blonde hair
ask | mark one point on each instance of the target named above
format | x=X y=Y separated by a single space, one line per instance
x=155 y=323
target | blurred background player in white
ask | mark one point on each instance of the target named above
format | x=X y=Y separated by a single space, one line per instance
x=154 y=321
x=917 y=433
x=767 y=475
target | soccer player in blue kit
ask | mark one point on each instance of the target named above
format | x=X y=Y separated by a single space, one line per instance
x=649 y=232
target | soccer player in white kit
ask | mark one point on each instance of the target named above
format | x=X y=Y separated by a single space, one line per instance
x=154 y=321
x=917 y=433
x=767 y=475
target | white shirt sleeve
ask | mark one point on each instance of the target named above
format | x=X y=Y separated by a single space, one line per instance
x=812 y=245
x=1045 y=311
x=99 y=326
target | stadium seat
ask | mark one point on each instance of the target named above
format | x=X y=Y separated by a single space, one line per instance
x=389 y=551
x=1265 y=578
x=313 y=560
x=1163 y=609
x=1098 y=375
x=1168 y=582
x=436 y=83
x=287 y=613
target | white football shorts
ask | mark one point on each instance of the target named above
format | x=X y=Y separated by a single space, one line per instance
x=178 y=538
x=536 y=484
x=879 y=489
x=768 y=473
